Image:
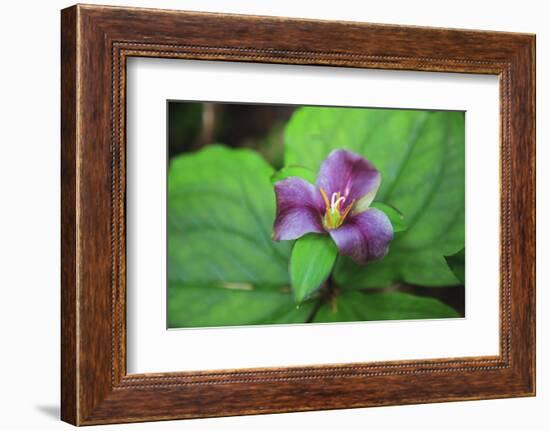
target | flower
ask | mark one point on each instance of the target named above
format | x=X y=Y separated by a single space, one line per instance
x=338 y=204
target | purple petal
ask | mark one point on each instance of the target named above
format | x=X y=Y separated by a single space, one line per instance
x=365 y=236
x=350 y=174
x=299 y=209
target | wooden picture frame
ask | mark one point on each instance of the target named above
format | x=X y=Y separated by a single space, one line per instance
x=96 y=41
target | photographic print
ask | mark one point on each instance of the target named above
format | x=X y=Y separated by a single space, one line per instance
x=284 y=214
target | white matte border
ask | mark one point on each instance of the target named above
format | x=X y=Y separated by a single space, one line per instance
x=153 y=348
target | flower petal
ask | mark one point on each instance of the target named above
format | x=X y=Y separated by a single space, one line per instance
x=350 y=174
x=299 y=209
x=365 y=236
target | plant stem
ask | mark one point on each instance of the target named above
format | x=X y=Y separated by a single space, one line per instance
x=327 y=292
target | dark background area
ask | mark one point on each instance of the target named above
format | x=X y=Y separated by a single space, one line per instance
x=192 y=125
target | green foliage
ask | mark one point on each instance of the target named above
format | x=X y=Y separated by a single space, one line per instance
x=457 y=263
x=227 y=304
x=420 y=155
x=311 y=261
x=220 y=214
x=221 y=206
x=355 y=306
x=224 y=268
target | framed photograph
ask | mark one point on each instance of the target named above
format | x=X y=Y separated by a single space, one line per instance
x=264 y=215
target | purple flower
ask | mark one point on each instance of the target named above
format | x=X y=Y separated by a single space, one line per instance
x=339 y=204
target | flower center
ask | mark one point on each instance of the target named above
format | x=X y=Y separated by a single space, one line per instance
x=335 y=210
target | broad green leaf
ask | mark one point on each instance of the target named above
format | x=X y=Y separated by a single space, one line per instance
x=311 y=261
x=457 y=263
x=229 y=304
x=426 y=268
x=420 y=155
x=294 y=171
x=358 y=306
x=221 y=208
x=396 y=218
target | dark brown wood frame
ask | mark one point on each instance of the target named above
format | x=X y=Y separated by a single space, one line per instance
x=95 y=43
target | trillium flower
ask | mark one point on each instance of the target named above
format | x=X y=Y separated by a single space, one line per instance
x=338 y=205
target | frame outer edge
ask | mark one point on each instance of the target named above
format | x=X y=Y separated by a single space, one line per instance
x=522 y=181
x=526 y=162
x=69 y=301
x=533 y=55
x=532 y=82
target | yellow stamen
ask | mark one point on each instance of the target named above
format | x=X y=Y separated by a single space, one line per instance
x=327 y=205
x=325 y=198
x=348 y=209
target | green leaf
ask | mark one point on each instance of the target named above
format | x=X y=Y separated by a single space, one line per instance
x=457 y=263
x=311 y=261
x=352 y=306
x=221 y=208
x=294 y=171
x=228 y=304
x=396 y=218
x=420 y=155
